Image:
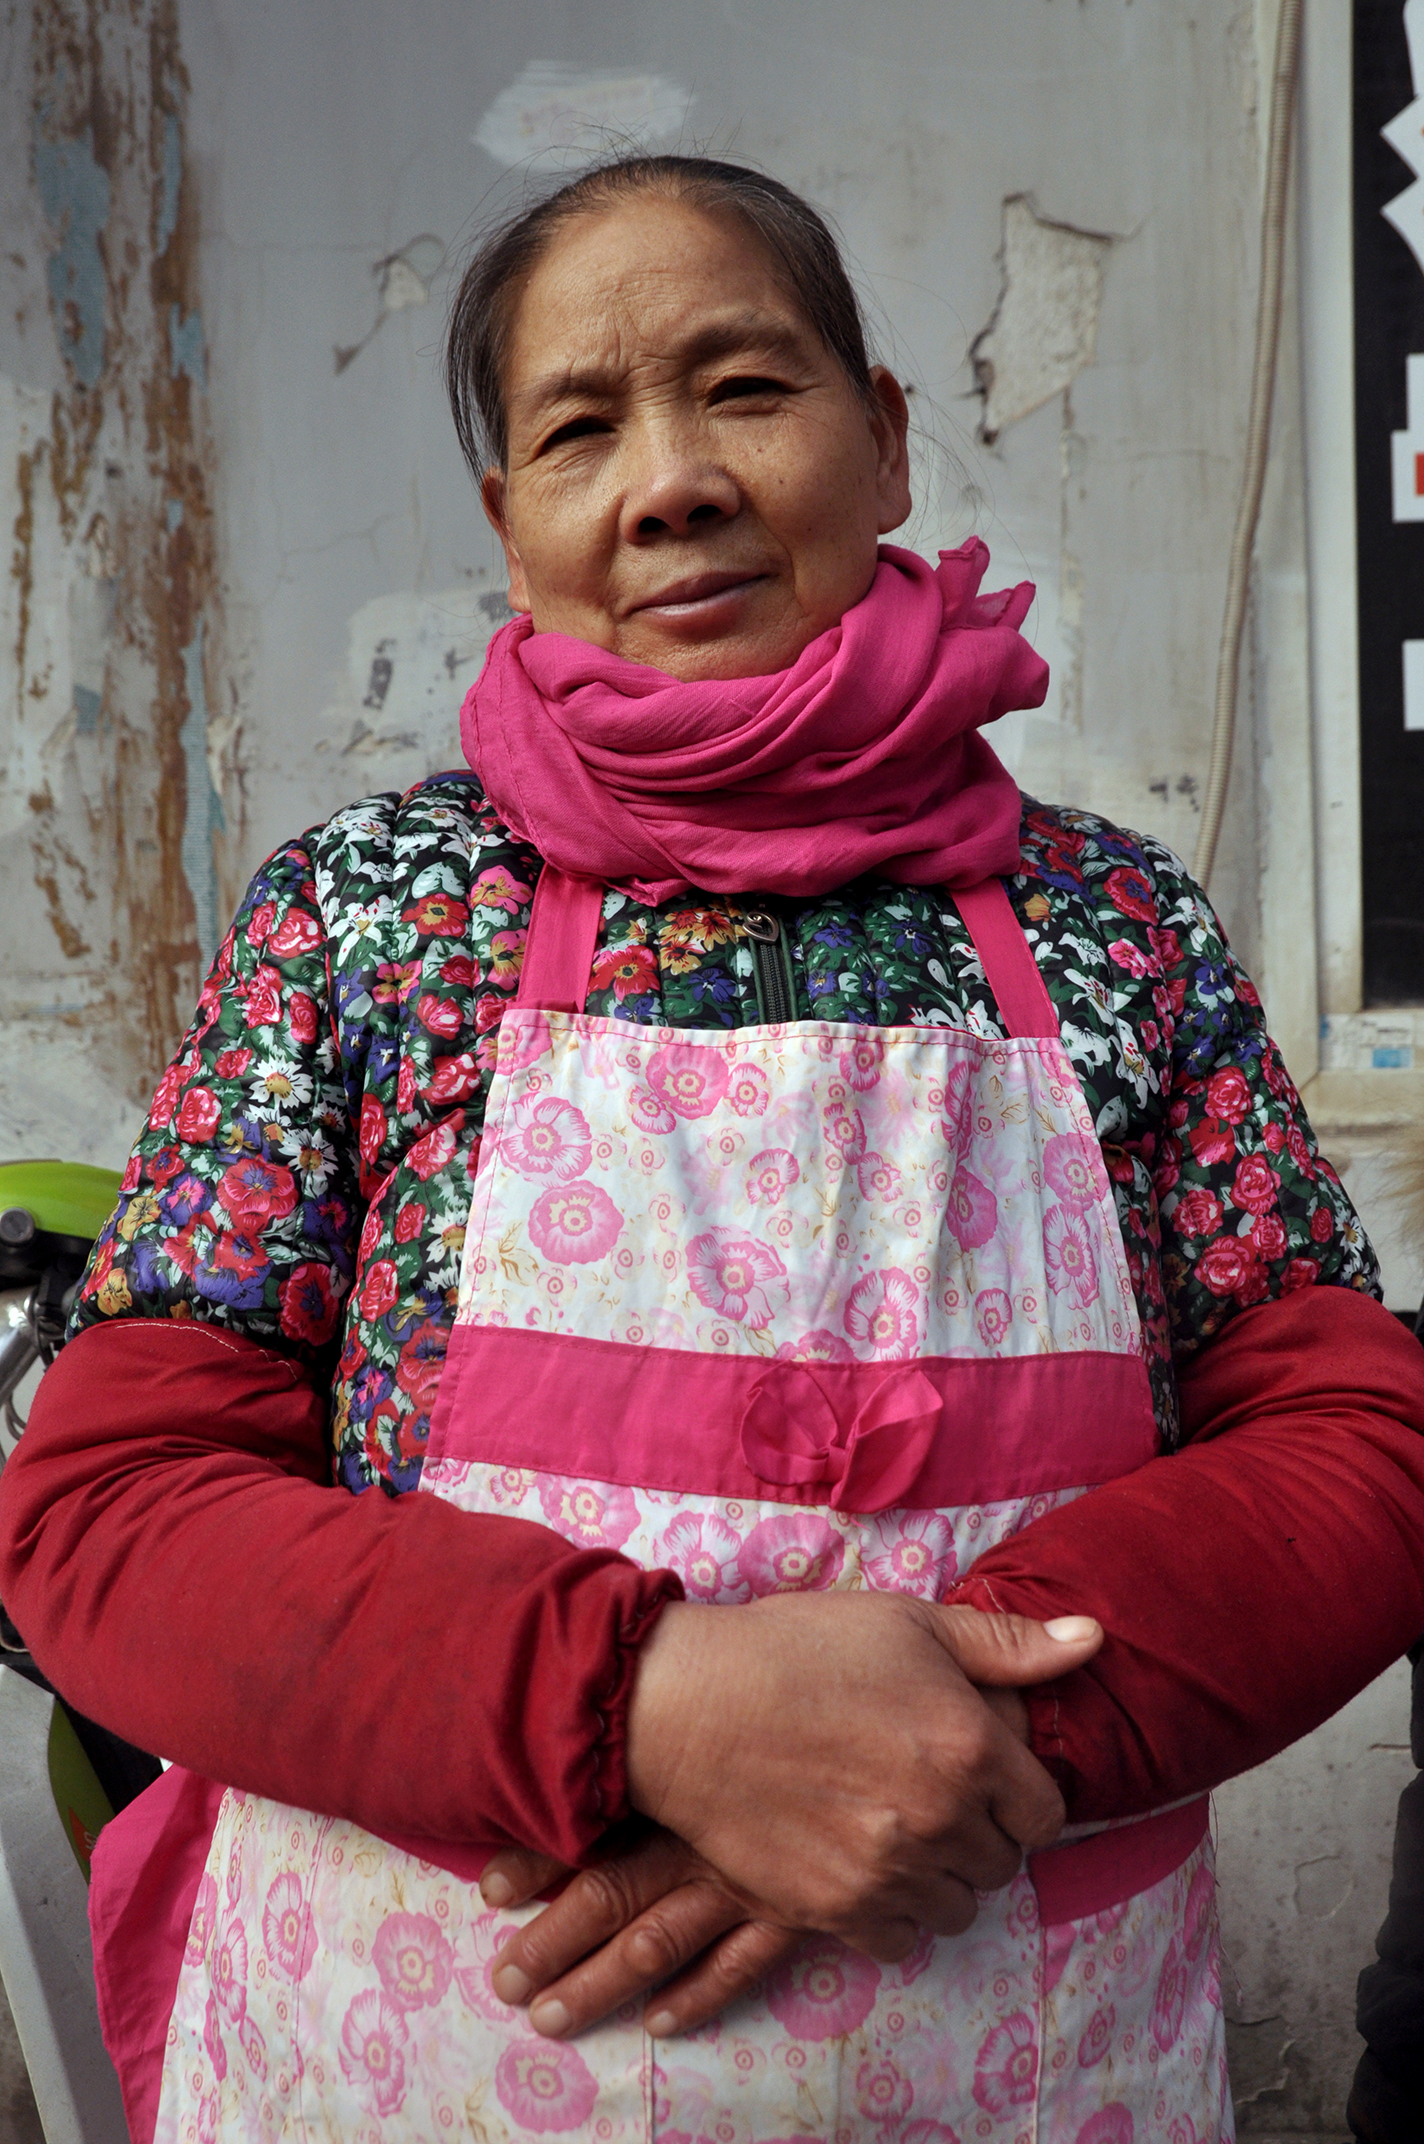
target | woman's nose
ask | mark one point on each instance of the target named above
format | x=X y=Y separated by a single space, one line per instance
x=677 y=494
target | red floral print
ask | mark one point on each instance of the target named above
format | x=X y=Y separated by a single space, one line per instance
x=356 y=1064
x=199 y=1115
x=438 y=914
x=1255 y=1184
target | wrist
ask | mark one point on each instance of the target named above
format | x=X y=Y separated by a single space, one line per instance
x=662 y=1681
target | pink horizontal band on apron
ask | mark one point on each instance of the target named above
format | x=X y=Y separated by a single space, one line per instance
x=663 y=1418
x=1089 y=1875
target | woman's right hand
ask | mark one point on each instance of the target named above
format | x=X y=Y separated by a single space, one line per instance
x=656 y=1914
x=830 y=1755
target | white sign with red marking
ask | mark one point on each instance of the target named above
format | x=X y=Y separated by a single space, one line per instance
x=1407 y=448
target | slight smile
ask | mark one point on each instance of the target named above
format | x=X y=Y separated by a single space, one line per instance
x=700 y=597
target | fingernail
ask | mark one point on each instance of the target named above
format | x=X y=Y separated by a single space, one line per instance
x=509 y=1984
x=660 y=2024
x=1067 y=1629
x=549 y=2018
x=496 y=1890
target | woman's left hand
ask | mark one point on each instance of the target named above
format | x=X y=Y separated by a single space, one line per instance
x=655 y=1916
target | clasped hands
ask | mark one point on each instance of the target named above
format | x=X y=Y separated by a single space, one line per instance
x=848 y=1763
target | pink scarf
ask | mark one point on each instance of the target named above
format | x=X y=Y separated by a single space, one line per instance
x=863 y=756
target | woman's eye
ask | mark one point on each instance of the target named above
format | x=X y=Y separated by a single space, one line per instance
x=745 y=385
x=576 y=428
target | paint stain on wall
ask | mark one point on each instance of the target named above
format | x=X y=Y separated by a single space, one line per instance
x=554 y=114
x=395 y=707
x=113 y=614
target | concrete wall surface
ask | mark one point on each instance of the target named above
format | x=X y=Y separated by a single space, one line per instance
x=249 y=579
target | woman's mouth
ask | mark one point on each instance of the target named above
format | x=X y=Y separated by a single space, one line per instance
x=701 y=598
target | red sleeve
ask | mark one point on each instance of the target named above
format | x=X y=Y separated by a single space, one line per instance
x=1249 y=1584
x=182 y=1570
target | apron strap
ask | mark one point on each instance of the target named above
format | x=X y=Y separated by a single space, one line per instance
x=562 y=937
x=1009 y=966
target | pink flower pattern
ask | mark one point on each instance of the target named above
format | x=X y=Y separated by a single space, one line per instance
x=818 y=1346
x=373 y=2042
x=254 y=2047
x=549 y=1137
x=200 y=1927
x=770 y=1175
x=546 y=2088
x=971 y=1213
x=993 y=1315
x=799 y=1554
x=878 y=1179
x=288 y=1936
x=1006 y=2066
x=1068 y=1256
x=213 y=2039
x=686 y=1141
x=1170 y=1998
x=689 y=1081
x=575 y=1225
x=592 y=1515
x=412 y=2014
x=1097 y=2039
x=748 y=1090
x=882 y=2092
x=413 y=1959
x=737 y=1277
x=883 y=1314
x=862 y=1064
x=1073 y=1167
x=649 y=1112
x=1110 y=2125
x=823 y=1990
x=230 y=1971
x=704 y=1553
x=488 y=1931
x=911 y=1552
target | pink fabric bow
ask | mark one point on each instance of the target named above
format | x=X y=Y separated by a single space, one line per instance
x=792 y=1432
x=863 y=756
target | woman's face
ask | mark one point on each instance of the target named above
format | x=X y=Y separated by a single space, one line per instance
x=692 y=480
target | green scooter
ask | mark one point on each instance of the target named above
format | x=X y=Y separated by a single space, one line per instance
x=50 y=1214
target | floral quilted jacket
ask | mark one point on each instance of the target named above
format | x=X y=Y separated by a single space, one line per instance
x=304 y=1173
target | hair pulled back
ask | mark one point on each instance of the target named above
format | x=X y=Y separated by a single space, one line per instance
x=482 y=317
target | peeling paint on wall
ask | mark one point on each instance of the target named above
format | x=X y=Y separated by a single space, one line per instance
x=111 y=613
x=75 y=190
x=410 y=661
x=1045 y=326
x=403 y=280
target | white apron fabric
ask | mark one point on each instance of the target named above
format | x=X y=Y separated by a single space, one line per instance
x=778 y=1308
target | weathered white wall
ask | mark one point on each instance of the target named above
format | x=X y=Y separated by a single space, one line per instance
x=260 y=584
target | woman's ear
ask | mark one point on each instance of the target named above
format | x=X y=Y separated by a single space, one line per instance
x=492 y=498
x=889 y=428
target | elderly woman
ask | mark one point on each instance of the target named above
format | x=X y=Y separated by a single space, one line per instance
x=752 y=1172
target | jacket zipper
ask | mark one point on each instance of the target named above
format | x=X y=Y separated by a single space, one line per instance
x=772 y=971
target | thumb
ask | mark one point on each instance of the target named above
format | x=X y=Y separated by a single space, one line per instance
x=1008 y=1650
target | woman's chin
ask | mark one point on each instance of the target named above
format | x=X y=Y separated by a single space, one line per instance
x=691 y=652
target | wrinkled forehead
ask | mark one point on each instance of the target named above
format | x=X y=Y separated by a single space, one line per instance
x=647 y=282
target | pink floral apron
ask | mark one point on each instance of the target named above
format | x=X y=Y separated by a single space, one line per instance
x=785 y=1307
